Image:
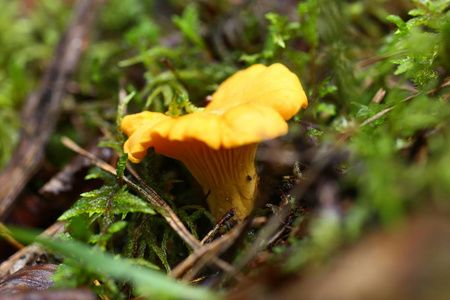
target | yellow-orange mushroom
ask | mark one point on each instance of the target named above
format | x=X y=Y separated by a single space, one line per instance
x=218 y=144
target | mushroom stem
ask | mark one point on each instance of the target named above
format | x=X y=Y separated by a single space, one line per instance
x=227 y=176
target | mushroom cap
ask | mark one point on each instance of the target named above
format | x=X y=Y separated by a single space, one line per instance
x=250 y=106
x=274 y=86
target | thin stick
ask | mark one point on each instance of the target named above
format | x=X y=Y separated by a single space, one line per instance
x=445 y=82
x=212 y=233
x=376 y=116
x=208 y=251
x=6 y=234
x=260 y=242
x=372 y=60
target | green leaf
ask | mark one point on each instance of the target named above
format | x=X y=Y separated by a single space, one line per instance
x=116 y=201
x=189 y=24
x=121 y=164
x=417 y=12
x=117 y=226
x=180 y=104
x=308 y=11
x=326 y=89
x=399 y=22
x=403 y=65
x=144 y=263
x=164 y=90
x=278 y=29
x=97 y=173
x=121 y=109
x=326 y=109
x=144 y=33
x=314 y=132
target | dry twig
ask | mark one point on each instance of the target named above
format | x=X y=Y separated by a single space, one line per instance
x=6 y=234
x=207 y=252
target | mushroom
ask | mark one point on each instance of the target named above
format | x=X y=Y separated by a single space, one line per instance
x=218 y=144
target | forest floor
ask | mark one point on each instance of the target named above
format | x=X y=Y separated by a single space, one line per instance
x=352 y=203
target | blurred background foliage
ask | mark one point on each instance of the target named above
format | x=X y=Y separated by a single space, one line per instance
x=28 y=37
x=376 y=74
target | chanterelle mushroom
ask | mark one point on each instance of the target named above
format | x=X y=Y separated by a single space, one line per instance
x=218 y=144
